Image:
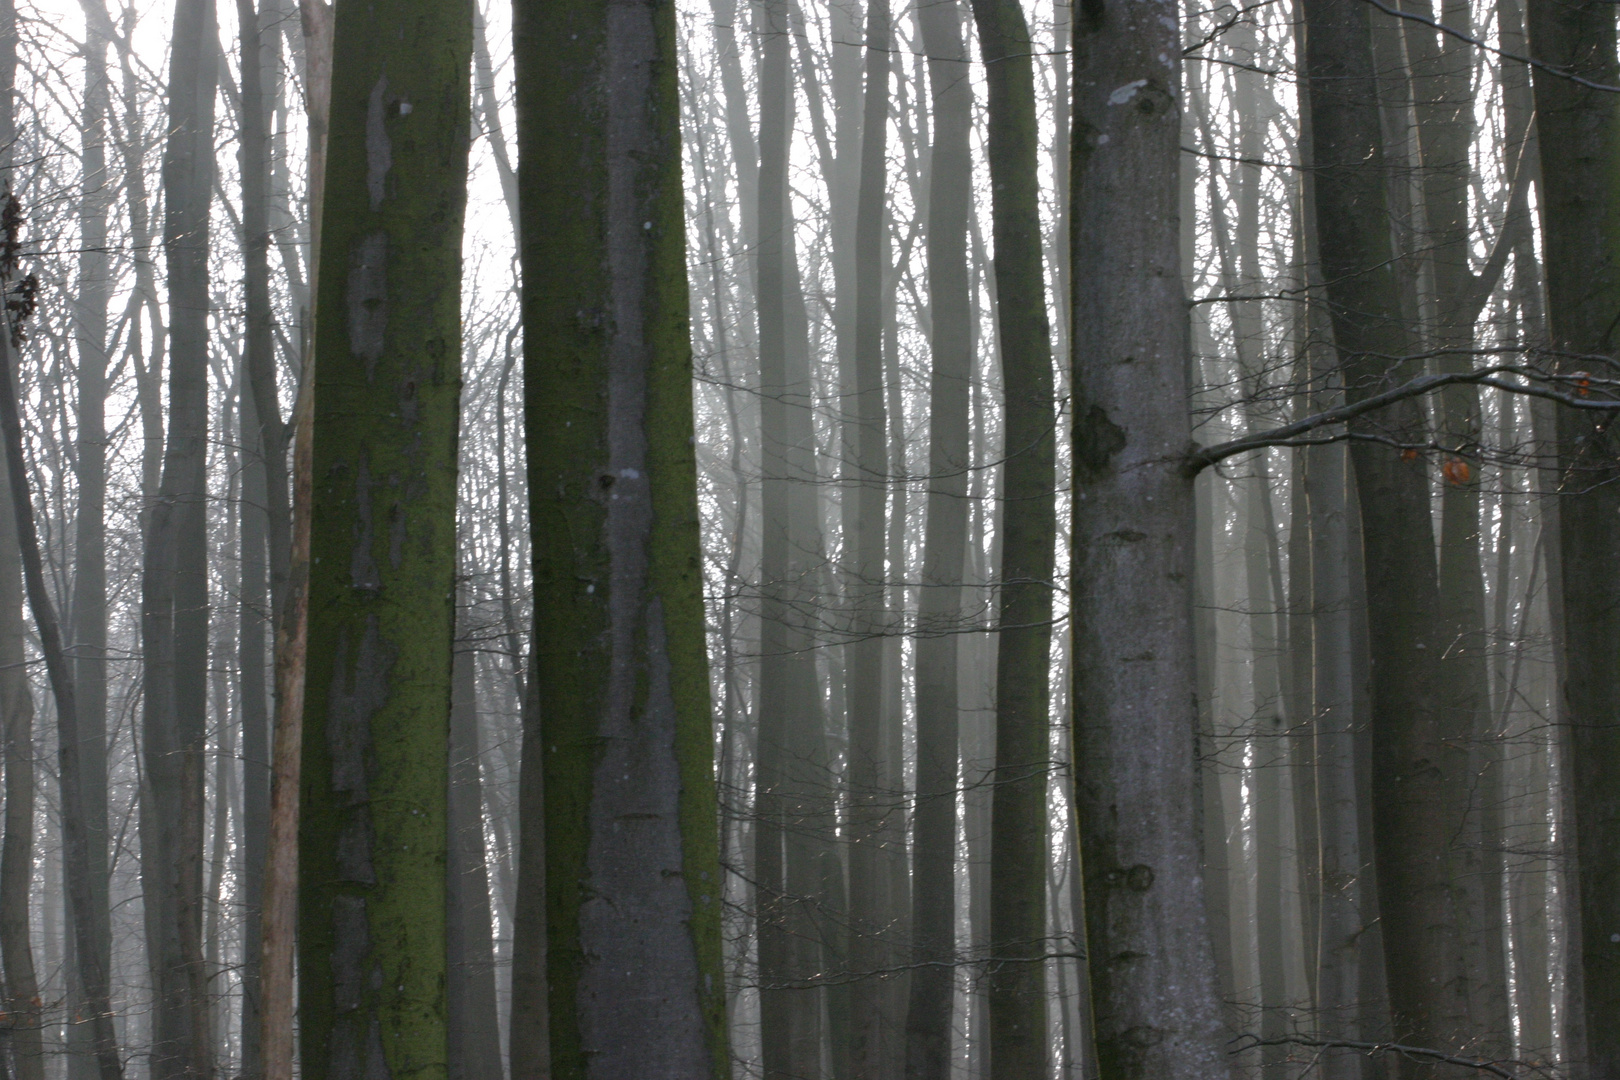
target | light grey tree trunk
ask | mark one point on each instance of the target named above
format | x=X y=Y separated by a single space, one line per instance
x=1152 y=972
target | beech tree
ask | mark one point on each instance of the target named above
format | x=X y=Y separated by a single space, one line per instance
x=621 y=734
x=374 y=819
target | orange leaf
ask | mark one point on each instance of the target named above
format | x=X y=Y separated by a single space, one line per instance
x=1456 y=470
x=1408 y=455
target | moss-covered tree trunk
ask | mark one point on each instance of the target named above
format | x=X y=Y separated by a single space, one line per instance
x=1580 y=213
x=623 y=737
x=1018 y=820
x=373 y=828
x=1153 y=974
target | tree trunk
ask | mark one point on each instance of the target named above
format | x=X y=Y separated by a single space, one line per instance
x=1416 y=765
x=1580 y=215
x=472 y=1019
x=1152 y=972
x=75 y=839
x=174 y=579
x=89 y=613
x=623 y=734
x=21 y=998
x=793 y=801
x=940 y=613
x=1440 y=77
x=280 y=892
x=872 y=793
x=1018 y=848
x=254 y=620
x=373 y=822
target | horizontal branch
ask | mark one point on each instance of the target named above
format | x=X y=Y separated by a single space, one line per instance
x=1249 y=1041
x=1289 y=434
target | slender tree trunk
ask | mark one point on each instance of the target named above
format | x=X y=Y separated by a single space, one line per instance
x=872 y=796
x=1153 y=975
x=21 y=999
x=1415 y=764
x=793 y=801
x=19 y=984
x=472 y=1020
x=1580 y=215
x=1440 y=75
x=1018 y=848
x=89 y=614
x=940 y=612
x=174 y=579
x=280 y=892
x=267 y=519
x=75 y=839
x=1336 y=948
x=254 y=619
x=373 y=814
x=624 y=742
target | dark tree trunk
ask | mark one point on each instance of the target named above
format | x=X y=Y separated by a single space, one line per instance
x=871 y=777
x=1580 y=212
x=1018 y=848
x=622 y=736
x=1416 y=767
x=793 y=799
x=373 y=827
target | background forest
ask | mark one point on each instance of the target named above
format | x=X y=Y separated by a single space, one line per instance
x=1154 y=520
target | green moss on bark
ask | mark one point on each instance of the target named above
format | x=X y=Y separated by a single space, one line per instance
x=381 y=613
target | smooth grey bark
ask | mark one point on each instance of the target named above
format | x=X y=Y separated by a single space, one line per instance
x=871 y=777
x=472 y=1020
x=626 y=748
x=793 y=780
x=939 y=611
x=253 y=661
x=174 y=578
x=266 y=514
x=1335 y=950
x=1440 y=70
x=89 y=611
x=1153 y=974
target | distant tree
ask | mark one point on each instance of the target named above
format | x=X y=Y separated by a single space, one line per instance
x=174 y=576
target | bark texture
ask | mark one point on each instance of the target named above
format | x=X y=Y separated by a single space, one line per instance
x=1152 y=970
x=622 y=738
x=373 y=822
